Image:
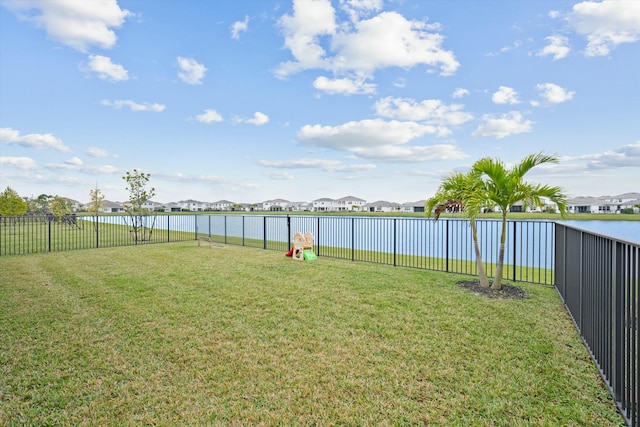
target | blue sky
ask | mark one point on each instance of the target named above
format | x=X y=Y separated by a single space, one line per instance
x=254 y=100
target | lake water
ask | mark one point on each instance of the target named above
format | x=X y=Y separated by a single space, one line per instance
x=625 y=230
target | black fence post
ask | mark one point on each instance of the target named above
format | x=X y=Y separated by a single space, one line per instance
x=264 y=232
x=394 y=242
x=446 y=246
x=168 y=229
x=288 y=229
x=318 y=237
x=225 y=229
x=353 y=237
x=514 y=250
x=49 y=243
x=242 y=230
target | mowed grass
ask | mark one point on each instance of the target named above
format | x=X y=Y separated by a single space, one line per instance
x=177 y=334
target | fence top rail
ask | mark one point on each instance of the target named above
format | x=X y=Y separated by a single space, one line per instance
x=599 y=234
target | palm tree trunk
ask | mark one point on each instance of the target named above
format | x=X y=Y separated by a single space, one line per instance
x=482 y=275
x=497 y=280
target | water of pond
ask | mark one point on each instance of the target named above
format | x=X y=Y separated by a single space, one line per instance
x=625 y=230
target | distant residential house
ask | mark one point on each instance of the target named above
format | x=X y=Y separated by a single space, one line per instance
x=588 y=205
x=169 y=207
x=299 y=206
x=382 y=206
x=414 y=206
x=519 y=207
x=624 y=201
x=222 y=205
x=322 y=205
x=348 y=203
x=150 y=205
x=109 y=206
x=193 y=205
x=75 y=205
x=276 y=205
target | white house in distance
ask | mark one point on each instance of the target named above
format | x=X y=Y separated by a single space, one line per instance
x=323 y=204
x=382 y=206
x=193 y=205
x=344 y=204
x=604 y=204
x=276 y=205
x=222 y=205
x=348 y=203
x=414 y=206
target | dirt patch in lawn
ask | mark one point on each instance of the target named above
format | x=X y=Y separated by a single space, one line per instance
x=507 y=291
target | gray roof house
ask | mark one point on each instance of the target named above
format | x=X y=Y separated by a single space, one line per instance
x=414 y=206
x=382 y=206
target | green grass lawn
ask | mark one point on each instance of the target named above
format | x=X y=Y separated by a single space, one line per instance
x=177 y=334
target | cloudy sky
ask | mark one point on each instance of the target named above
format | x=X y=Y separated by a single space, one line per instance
x=255 y=100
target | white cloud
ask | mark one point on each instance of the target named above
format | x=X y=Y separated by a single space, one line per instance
x=390 y=40
x=505 y=125
x=76 y=165
x=191 y=72
x=606 y=24
x=209 y=116
x=553 y=93
x=460 y=92
x=280 y=176
x=378 y=139
x=557 y=47
x=258 y=119
x=302 y=30
x=75 y=161
x=79 y=24
x=505 y=95
x=32 y=140
x=361 y=47
x=400 y=82
x=625 y=156
x=98 y=152
x=238 y=27
x=324 y=164
x=106 y=69
x=25 y=163
x=356 y=9
x=430 y=111
x=343 y=86
x=134 y=106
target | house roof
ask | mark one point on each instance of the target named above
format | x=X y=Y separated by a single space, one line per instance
x=382 y=203
x=350 y=198
x=324 y=199
x=418 y=203
x=276 y=201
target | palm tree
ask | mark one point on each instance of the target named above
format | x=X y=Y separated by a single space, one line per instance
x=506 y=186
x=462 y=192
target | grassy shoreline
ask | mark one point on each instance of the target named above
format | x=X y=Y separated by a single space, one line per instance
x=181 y=334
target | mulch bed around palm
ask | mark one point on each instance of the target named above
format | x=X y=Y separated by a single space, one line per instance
x=507 y=291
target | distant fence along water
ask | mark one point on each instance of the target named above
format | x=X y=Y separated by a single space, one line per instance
x=598 y=277
x=443 y=245
x=46 y=233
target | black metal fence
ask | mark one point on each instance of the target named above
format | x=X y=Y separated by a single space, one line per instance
x=597 y=277
x=443 y=245
x=46 y=233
